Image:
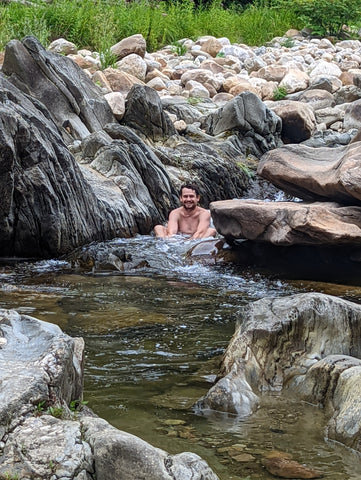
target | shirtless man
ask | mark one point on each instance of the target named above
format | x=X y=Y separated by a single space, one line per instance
x=189 y=219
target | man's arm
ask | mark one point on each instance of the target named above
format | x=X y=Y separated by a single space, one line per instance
x=203 y=225
x=172 y=228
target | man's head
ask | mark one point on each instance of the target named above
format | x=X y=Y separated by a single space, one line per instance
x=189 y=196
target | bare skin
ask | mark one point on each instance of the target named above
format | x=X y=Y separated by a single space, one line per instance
x=189 y=219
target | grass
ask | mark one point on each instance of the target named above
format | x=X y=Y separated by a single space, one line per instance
x=98 y=24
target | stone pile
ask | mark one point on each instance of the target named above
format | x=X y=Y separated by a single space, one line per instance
x=321 y=79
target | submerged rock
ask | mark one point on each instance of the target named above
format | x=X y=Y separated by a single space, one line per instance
x=281 y=465
x=309 y=344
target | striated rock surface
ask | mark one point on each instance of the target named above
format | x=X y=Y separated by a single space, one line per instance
x=308 y=344
x=42 y=437
x=288 y=223
x=315 y=174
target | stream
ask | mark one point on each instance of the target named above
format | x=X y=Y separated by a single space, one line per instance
x=154 y=337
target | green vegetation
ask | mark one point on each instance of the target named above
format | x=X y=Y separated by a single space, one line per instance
x=279 y=93
x=179 y=48
x=77 y=405
x=326 y=17
x=99 y=24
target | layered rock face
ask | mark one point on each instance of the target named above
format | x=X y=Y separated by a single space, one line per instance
x=308 y=344
x=120 y=182
x=42 y=437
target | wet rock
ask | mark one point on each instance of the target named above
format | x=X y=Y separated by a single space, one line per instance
x=120 y=454
x=281 y=465
x=210 y=252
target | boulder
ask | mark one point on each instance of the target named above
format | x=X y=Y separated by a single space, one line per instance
x=74 y=102
x=144 y=113
x=247 y=115
x=119 y=454
x=298 y=120
x=47 y=208
x=119 y=81
x=134 y=65
x=314 y=174
x=287 y=223
x=308 y=344
x=133 y=44
x=39 y=364
x=41 y=373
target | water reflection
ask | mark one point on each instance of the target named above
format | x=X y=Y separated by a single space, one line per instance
x=154 y=338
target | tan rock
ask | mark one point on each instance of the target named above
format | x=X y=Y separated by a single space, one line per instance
x=272 y=73
x=116 y=101
x=288 y=223
x=133 y=44
x=196 y=89
x=222 y=97
x=101 y=80
x=134 y=65
x=317 y=98
x=155 y=73
x=202 y=76
x=84 y=62
x=120 y=81
x=281 y=465
x=157 y=84
x=245 y=87
x=298 y=120
x=295 y=81
x=213 y=66
x=346 y=78
x=212 y=46
x=315 y=173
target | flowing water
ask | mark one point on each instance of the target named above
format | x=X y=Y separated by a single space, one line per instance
x=154 y=337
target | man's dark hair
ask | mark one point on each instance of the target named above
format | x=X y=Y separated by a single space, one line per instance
x=190 y=186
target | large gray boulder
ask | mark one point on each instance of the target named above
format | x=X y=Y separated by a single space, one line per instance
x=254 y=124
x=75 y=103
x=42 y=437
x=47 y=208
x=119 y=454
x=308 y=344
x=288 y=223
x=315 y=173
x=144 y=113
x=38 y=364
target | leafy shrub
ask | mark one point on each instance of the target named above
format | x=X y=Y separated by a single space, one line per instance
x=325 y=17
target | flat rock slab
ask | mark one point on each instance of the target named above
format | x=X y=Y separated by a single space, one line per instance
x=315 y=173
x=288 y=223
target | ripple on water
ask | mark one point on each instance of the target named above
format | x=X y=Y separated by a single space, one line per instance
x=154 y=339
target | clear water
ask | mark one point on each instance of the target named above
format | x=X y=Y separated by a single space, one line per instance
x=154 y=338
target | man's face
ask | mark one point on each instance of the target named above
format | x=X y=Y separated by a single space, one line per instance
x=189 y=199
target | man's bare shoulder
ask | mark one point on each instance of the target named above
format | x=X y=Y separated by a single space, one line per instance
x=176 y=212
x=203 y=211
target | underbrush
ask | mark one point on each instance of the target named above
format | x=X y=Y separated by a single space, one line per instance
x=98 y=24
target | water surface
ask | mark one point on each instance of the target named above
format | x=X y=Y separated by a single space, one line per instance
x=154 y=338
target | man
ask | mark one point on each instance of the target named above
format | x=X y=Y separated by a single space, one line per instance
x=189 y=219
